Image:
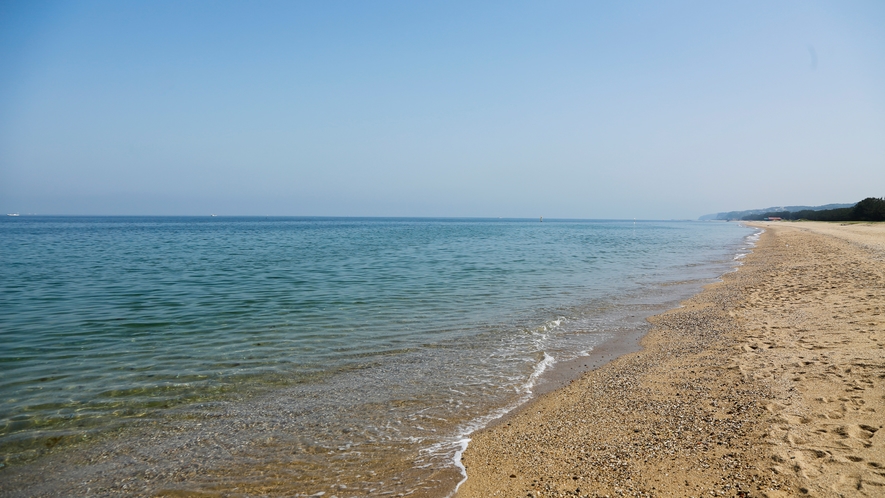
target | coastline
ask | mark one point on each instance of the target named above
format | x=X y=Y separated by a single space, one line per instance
x=763 y=384
x=367 y=431
x=631 y=330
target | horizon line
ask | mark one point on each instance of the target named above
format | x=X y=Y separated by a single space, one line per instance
x=517 y=218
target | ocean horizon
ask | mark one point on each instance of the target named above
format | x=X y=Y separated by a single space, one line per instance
x=303 y=355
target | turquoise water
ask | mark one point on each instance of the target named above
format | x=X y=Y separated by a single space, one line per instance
x=359 y=338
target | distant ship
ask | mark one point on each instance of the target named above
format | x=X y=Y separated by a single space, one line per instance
x=11 y=214
x=213 y=215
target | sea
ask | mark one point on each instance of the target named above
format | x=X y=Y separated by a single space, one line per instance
x=293 y=356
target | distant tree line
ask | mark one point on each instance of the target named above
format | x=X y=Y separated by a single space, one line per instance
x=869 y=209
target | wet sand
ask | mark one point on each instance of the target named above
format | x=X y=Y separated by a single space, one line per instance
x=769 y=383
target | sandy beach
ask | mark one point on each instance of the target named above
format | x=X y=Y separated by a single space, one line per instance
x=769 y=383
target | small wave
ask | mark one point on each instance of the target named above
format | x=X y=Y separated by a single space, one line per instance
x=457 y=458
x=750 y=241
x=539 y=369
x=466 y=430
x=754 y=237
x=548 y=326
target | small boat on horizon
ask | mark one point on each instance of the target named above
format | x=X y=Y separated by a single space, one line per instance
x=12 y=214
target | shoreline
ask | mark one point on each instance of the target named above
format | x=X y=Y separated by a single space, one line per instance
x=559 y=375
x=632 y=330
x=709 y=406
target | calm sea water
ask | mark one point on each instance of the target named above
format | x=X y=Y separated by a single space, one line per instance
x=292 y=355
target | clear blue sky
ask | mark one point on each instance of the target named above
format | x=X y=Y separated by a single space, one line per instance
x=561 y=109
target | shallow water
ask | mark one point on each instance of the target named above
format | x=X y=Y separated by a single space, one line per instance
x=306 y=354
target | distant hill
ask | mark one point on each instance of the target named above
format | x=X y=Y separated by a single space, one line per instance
x=869 y=209
x=736 y=215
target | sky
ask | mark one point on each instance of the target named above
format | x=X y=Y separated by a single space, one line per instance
x=649 y=110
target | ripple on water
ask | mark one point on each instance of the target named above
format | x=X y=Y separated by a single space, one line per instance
x=295 y=354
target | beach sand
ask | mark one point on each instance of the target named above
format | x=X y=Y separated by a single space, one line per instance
x=769 y=383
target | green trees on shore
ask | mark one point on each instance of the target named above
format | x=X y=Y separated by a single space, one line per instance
x=869 y=209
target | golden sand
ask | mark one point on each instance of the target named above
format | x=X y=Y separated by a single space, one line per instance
x=769 y=383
